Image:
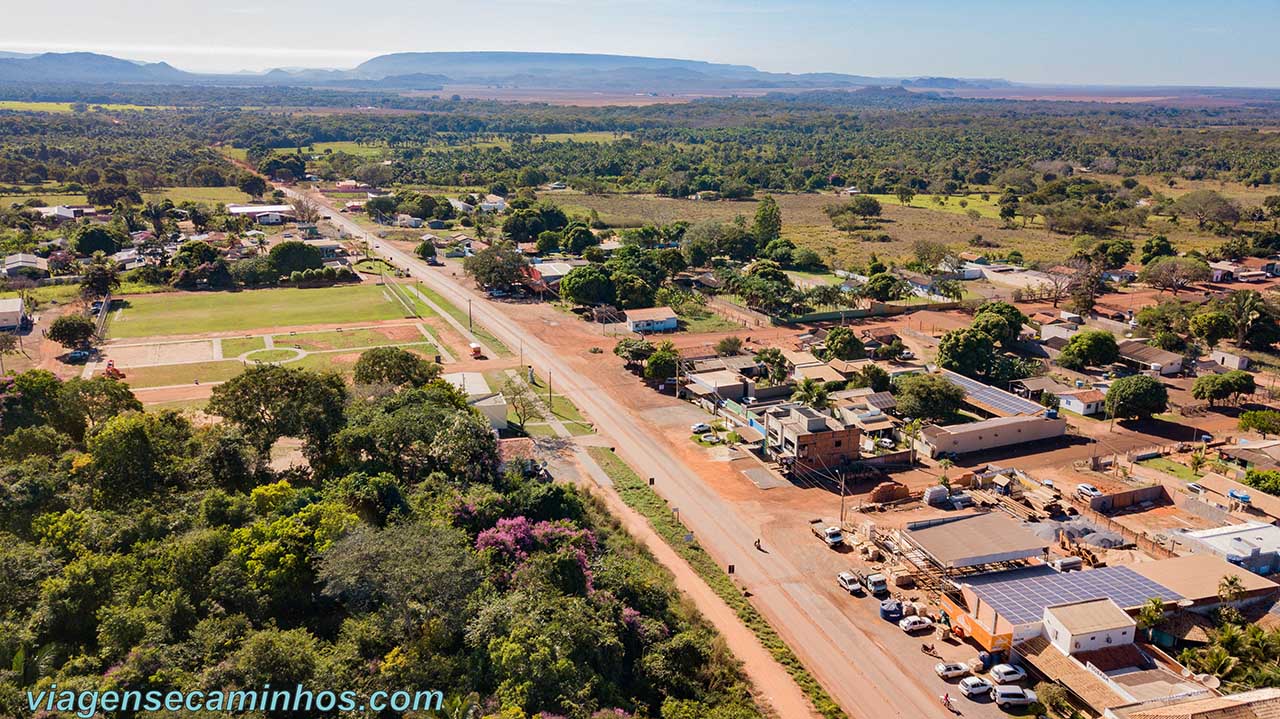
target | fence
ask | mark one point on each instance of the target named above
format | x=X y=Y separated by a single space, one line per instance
x=103 y=312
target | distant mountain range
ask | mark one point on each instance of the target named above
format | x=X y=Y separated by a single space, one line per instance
x=434 y=70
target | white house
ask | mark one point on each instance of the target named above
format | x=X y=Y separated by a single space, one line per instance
x=652 y=319
x=479 y=395
x=1228 y=360
x=1087 y=626
x=1083 y=401
x=263 y=214
x=12 y=313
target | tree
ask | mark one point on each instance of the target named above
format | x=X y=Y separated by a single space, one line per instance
x=96 y=238
x=1211 y=327
x=252 y=185
x=1206 y=206
x=634 y=351
x=99 y=277
x=1155 y=247
x=394 y=366
x=631 y=291
x=425 y=250
x=124 y=455
x=588 y=285
x=774 y=363
x=1137 y=396
x=767 y=225
x=498 y=266
x=872 y=376
x=663 y=363
x=1091 y=348
x=842 y=344
x=294 y=256
x=521 y=400
x=968 y=352
x=72 y=331
x=885 y=287
x=811 y=393
x=1262 y=421
x=1174 y=273
x=928 y=396
x=729 y=346
x=1150 y=615
x=1244 y=308
x=576 y=239
x=305 y=210
x=904 y=193
x=8 y=346
x=98 y=399
x=270 y=401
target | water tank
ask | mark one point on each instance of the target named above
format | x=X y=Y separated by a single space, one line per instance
x=1079 y=384
x=1051 y=414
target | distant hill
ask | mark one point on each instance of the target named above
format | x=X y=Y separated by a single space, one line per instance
x=88 y=67
x=434 y=70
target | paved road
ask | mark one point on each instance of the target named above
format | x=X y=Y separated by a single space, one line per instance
x=870 y=673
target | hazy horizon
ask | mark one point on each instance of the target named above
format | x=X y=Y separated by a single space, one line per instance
x=1089 y=43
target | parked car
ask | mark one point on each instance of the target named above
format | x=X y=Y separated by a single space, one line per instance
x=827 y=532
x=975 y=687
x=1008 y=674
x=915 y=624
x=711 y=438
x=76 y=356
x=1009 y=696
x=886 y=443
x=950 y=670
x=1088 y=491
x=700 y=427
x=849 y=582
x=1195 y=488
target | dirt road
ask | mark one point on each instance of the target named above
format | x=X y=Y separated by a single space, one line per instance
x=871 y=670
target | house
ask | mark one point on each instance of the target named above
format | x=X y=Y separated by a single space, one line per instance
x=919 y=281
x=1086 y=402
x=492 y=203
x=1268 y=265
x=722 y=384
x=1111 y=312
x=1254 y=546
x=1228 y=360
x=128 y=259
x=808 y=440
x=819 y=372
x=329 y=249
x=973 y=540
x=1122 y=275
x=1255 y=704
x=1224 y=271
x=353 y=207
x=973 y=257
x=435 y=224
x=1034 y=387
x=65 y=213
x=352 y=186
x=652 y=319
x=547 y=275
x=461 y=207
x=992 y=401
x=403 y=220
x=263 y=214
x=23 y=264
x=988 y=434
x=1144 y=357
x=479 y=395
x=13 y=314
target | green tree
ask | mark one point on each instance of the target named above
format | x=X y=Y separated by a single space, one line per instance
x=968 y=352
x=1091 y=348
x=1211 y=327
x=1137 y=396
x=729 y=346
x=841 y=344
x=928 y=396
x=662 y=363
x=98 y=399
x=767 y=225
x=1244 y=308
x=99 y=277
x=394 y=366
x=270 y=401
x=634 y=351
x=91 y=238
x=588 y=285
x=498 y=266
x=811 y=393
x=774 y=363
x=72 y=331
x=1262 y=421
x=1207 y=206
x=905 y=193
x=1174 y=273
x=885 y=287
x=294 y=256
x=425 y=250
x=252 y=185
x=1155 y=247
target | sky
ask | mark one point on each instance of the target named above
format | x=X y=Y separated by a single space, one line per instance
x=1099 y=42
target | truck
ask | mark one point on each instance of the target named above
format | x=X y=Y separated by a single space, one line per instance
x=827 y=532
x=876 y=585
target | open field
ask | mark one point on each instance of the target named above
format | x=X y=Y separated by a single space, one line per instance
x=63 y=294
x=805 y=224
x=205 y=195
x=66 y=107
x=178 y=374
x=188 y=313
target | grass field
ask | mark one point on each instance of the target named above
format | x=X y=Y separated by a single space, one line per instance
x=204 y=195
x=704 y=320
x=1168 y=466
x=62 y=294
x=202 y=312
x=271 y=355
x=461 y=315
x=65 y=107
x=180 y=374
x=236 y=346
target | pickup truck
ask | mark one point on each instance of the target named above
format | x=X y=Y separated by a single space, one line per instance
x=827 y=532
x=877 y=585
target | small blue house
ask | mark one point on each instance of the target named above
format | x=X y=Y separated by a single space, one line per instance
x=652 y=319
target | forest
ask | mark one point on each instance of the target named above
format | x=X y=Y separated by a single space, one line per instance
x=140 y=550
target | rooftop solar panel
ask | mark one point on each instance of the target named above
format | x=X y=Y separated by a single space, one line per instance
x=1021 y=599
x=997 y=399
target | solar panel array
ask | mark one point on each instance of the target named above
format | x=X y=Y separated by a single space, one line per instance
x=1023 y=600
x=996 y=399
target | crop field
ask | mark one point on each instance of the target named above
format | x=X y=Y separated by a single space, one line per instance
x=194 y=313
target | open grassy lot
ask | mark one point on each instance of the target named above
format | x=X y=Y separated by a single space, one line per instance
x=1168 y=466
x=703 y=320
x=65 y=107
x=179 y=374
x=236 y=346
x=204 y=195
x=271 y=355
x=344 y=362
x=201 y=312
x=62 y=294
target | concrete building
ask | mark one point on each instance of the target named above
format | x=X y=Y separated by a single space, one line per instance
x=810 y=440
x=1087 y=626
x=1254 y=546
x=652 y=319
x=479 y=395
x=329 y=249
x=973 y=540
x=1229 y=361
x=13 y=315
x=1144 y=357
x=988 y=434
x=23 y=264
x=1083 y=401
x=263 y=214
x=724 y=383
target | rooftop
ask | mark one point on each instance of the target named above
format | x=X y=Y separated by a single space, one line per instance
x=1240 y=538
x=651 y=314
x=471 y=383
x=1085 y=395
x=974 y=539
x=1146 y=354
x=992 y=399
x=1196 y=576
x=1091 y=616
x=1256 y=704
x=1021 y=596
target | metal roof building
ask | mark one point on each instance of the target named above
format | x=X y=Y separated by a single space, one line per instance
x=972 y=540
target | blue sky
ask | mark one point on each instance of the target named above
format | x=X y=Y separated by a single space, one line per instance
x=1229 y=42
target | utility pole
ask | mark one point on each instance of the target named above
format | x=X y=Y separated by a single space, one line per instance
x=469 y=326
x=842 y=478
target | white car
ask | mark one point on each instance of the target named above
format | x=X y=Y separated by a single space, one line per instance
x=849 y=582
x=1088 y=491
x=886 y=443
x=1008 y=674
x=700 y=427
x=1007 y=696
x=915 y=624
x=950 y=670
x=975 y=686
x=710 y=439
